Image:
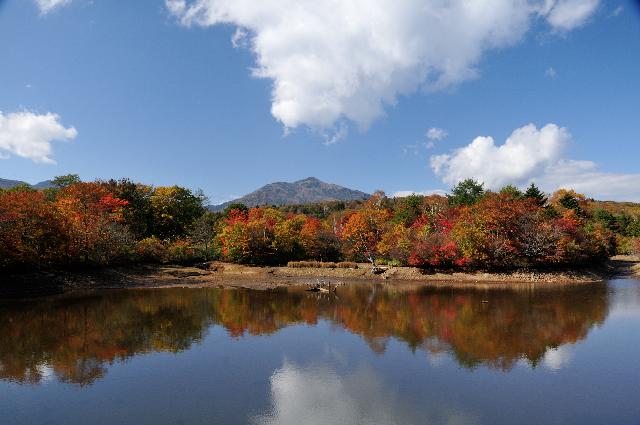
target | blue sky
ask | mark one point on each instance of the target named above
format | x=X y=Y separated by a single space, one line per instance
x=164 y=93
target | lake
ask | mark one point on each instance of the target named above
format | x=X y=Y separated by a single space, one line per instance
x=369 y=354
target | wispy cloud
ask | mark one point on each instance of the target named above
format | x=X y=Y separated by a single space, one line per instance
x=47 y=6
x=616 y=12
x=551 y=73
x=435 y=133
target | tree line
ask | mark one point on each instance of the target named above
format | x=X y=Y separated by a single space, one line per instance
x=76 y=224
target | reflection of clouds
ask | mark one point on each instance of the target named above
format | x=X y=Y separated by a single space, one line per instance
x=558 y=358
x=626 y=300
x=319 y=395
x=438 y=351
x=46 y=372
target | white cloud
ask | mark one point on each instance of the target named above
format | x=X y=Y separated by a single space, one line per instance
x=332 y=60
x=532 y=155
x=435 y=133
x=585 y=177
x=551 y=73
x=558 y=358
x=47 y=6
x=526 y=152
x=338 y=133
x=320 y=395
x=565 y=15
x=30 y=135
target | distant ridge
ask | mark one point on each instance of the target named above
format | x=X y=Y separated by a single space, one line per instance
x=304 y=191
x=8 y=184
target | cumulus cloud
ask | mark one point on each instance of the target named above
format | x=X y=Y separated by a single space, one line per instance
x=586 y=177
x=29 y=135
x=533 y=155
x=47 y=6
x=333 y=60
x=525 y=153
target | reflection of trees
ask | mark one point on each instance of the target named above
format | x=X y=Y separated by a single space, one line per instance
x=76 y=336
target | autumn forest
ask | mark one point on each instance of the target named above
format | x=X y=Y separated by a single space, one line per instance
x=87 y=224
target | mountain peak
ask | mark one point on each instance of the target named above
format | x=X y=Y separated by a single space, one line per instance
x=304 y=191
x=309 y=180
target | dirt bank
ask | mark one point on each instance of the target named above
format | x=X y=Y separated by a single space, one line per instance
x=225 y=275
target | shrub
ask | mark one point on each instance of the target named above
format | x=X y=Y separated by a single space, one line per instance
x=151 y=250
x=182 y=252
x=386 y=262
x=635 y=246
x=322 y=265
x=303 y=264
x=347 y=265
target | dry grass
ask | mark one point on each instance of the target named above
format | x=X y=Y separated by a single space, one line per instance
x=322 y=265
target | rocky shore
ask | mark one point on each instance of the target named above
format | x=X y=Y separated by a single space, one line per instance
x=226 y=275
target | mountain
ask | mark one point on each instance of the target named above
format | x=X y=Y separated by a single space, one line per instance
x=8 y=184
x=304 y=191
x=43 y=185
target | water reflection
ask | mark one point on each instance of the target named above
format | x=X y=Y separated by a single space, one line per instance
x=320 y=395
x=75 y=338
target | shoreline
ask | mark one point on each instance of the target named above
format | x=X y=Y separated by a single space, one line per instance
x=227 y=275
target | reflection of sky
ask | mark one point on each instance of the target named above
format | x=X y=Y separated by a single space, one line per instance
x=319 y=395
x=625 y=300
x=558 y=358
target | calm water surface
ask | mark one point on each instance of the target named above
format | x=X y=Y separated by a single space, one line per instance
x=369 y=355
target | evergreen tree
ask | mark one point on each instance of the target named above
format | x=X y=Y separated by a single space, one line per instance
x=536 y=194
x=511 y=191
x=467 y=192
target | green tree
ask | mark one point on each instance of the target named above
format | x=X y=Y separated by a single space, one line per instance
x=605 y=217
x=66 y=180
x=174 y=211
x=138 y=214
x=570 y=202
x=467 y=192
x=511 y=192
x=407 y=209
x=536 y=194
x=235 y=206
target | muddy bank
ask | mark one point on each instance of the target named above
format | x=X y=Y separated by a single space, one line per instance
x=225 y=275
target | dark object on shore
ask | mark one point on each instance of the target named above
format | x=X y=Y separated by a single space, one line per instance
x=378 y=270
x=202 y=266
